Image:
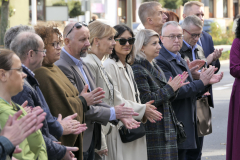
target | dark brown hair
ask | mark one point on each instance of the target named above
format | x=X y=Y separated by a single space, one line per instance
x=171 y=15
x=6 y=59
x=46 y=32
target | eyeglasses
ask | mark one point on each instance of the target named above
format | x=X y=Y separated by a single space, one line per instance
x=57 y=44
x=123 y=41
x=44 y=51
x=77 y=25
x=194 y=35
x=18 y=69
x=173 y=37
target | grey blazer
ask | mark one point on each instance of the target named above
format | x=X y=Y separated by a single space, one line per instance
x=99 y=113
x=184 y=105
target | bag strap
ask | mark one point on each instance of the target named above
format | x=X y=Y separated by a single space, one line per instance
x=135 y=86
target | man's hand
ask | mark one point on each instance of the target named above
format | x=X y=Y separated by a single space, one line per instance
x=206 y=75
x=196 y=64
x=151 y=113
x=216 y=78
x=17 y=130
x=69 y=155
x=71 y=126
x=130 y=123
x=214 y=56
x=93 y=97
x=124 y=112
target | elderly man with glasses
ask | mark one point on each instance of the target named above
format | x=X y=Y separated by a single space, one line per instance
x=184 y=105
x=191 y=50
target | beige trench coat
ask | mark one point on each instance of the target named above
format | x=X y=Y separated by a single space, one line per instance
x=124 y=93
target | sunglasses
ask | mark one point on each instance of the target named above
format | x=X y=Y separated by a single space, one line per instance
x=123 y=41
x=77 y=25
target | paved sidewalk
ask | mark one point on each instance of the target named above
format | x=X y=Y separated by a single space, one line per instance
x=225 y=47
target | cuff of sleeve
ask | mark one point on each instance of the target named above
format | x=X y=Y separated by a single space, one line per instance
x=84 y=103
x=112 y=114
x=8 y=146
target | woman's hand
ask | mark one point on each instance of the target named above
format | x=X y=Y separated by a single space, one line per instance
x=151 y=113
x=178 y=81
x=103 y=152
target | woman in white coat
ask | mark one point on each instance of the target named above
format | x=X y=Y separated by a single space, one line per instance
x=102 y=44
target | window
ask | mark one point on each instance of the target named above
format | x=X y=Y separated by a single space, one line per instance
x=211 y=9
x=225 y=8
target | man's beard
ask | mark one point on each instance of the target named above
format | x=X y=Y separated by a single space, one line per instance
x=82 y=53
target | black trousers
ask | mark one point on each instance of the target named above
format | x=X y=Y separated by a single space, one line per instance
x=195 y=154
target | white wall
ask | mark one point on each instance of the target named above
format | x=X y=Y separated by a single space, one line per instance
x=219 y=7
x=111 y=12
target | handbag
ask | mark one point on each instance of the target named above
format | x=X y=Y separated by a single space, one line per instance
x=181 y=135
x=204 y=117
x=129 y=135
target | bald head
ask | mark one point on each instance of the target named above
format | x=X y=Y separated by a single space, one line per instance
x=67 y=29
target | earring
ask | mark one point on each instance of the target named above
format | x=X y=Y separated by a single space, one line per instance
x=143 y=51
x=97 y=45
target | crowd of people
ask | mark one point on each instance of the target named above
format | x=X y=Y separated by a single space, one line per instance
x=98 y=92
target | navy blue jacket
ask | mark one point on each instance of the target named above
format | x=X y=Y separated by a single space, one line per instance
x=184 y=105
x=208 y=48
x=54 y=151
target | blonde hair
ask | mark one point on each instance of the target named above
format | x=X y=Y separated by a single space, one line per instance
x=142 y=39
x=100 y=30
x=146 y=9
x=188 y=5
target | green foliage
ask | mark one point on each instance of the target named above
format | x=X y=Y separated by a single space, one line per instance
x=225 y=55
x=76 y=11
x=74 y=7
x=172 y=4
x=220 y=38
x=60 y=3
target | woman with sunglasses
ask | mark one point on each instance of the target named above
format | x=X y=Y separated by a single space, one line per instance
x=117 y=66
x=102 y=43
x=60 y=94
x=152 y=85
x=11 y=83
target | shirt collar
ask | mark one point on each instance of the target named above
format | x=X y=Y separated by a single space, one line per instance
x=78 y=62
x=194 y=47
x=176 y=56
x=31 y=72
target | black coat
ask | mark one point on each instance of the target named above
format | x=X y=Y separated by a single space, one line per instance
x=185 y=103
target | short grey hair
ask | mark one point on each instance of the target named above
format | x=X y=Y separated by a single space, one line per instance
x=13 y=32
x=192 y=20
x=187 y=6
x=173 y=23
x=24 y=42
x=142 y=39
x=146 y=9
